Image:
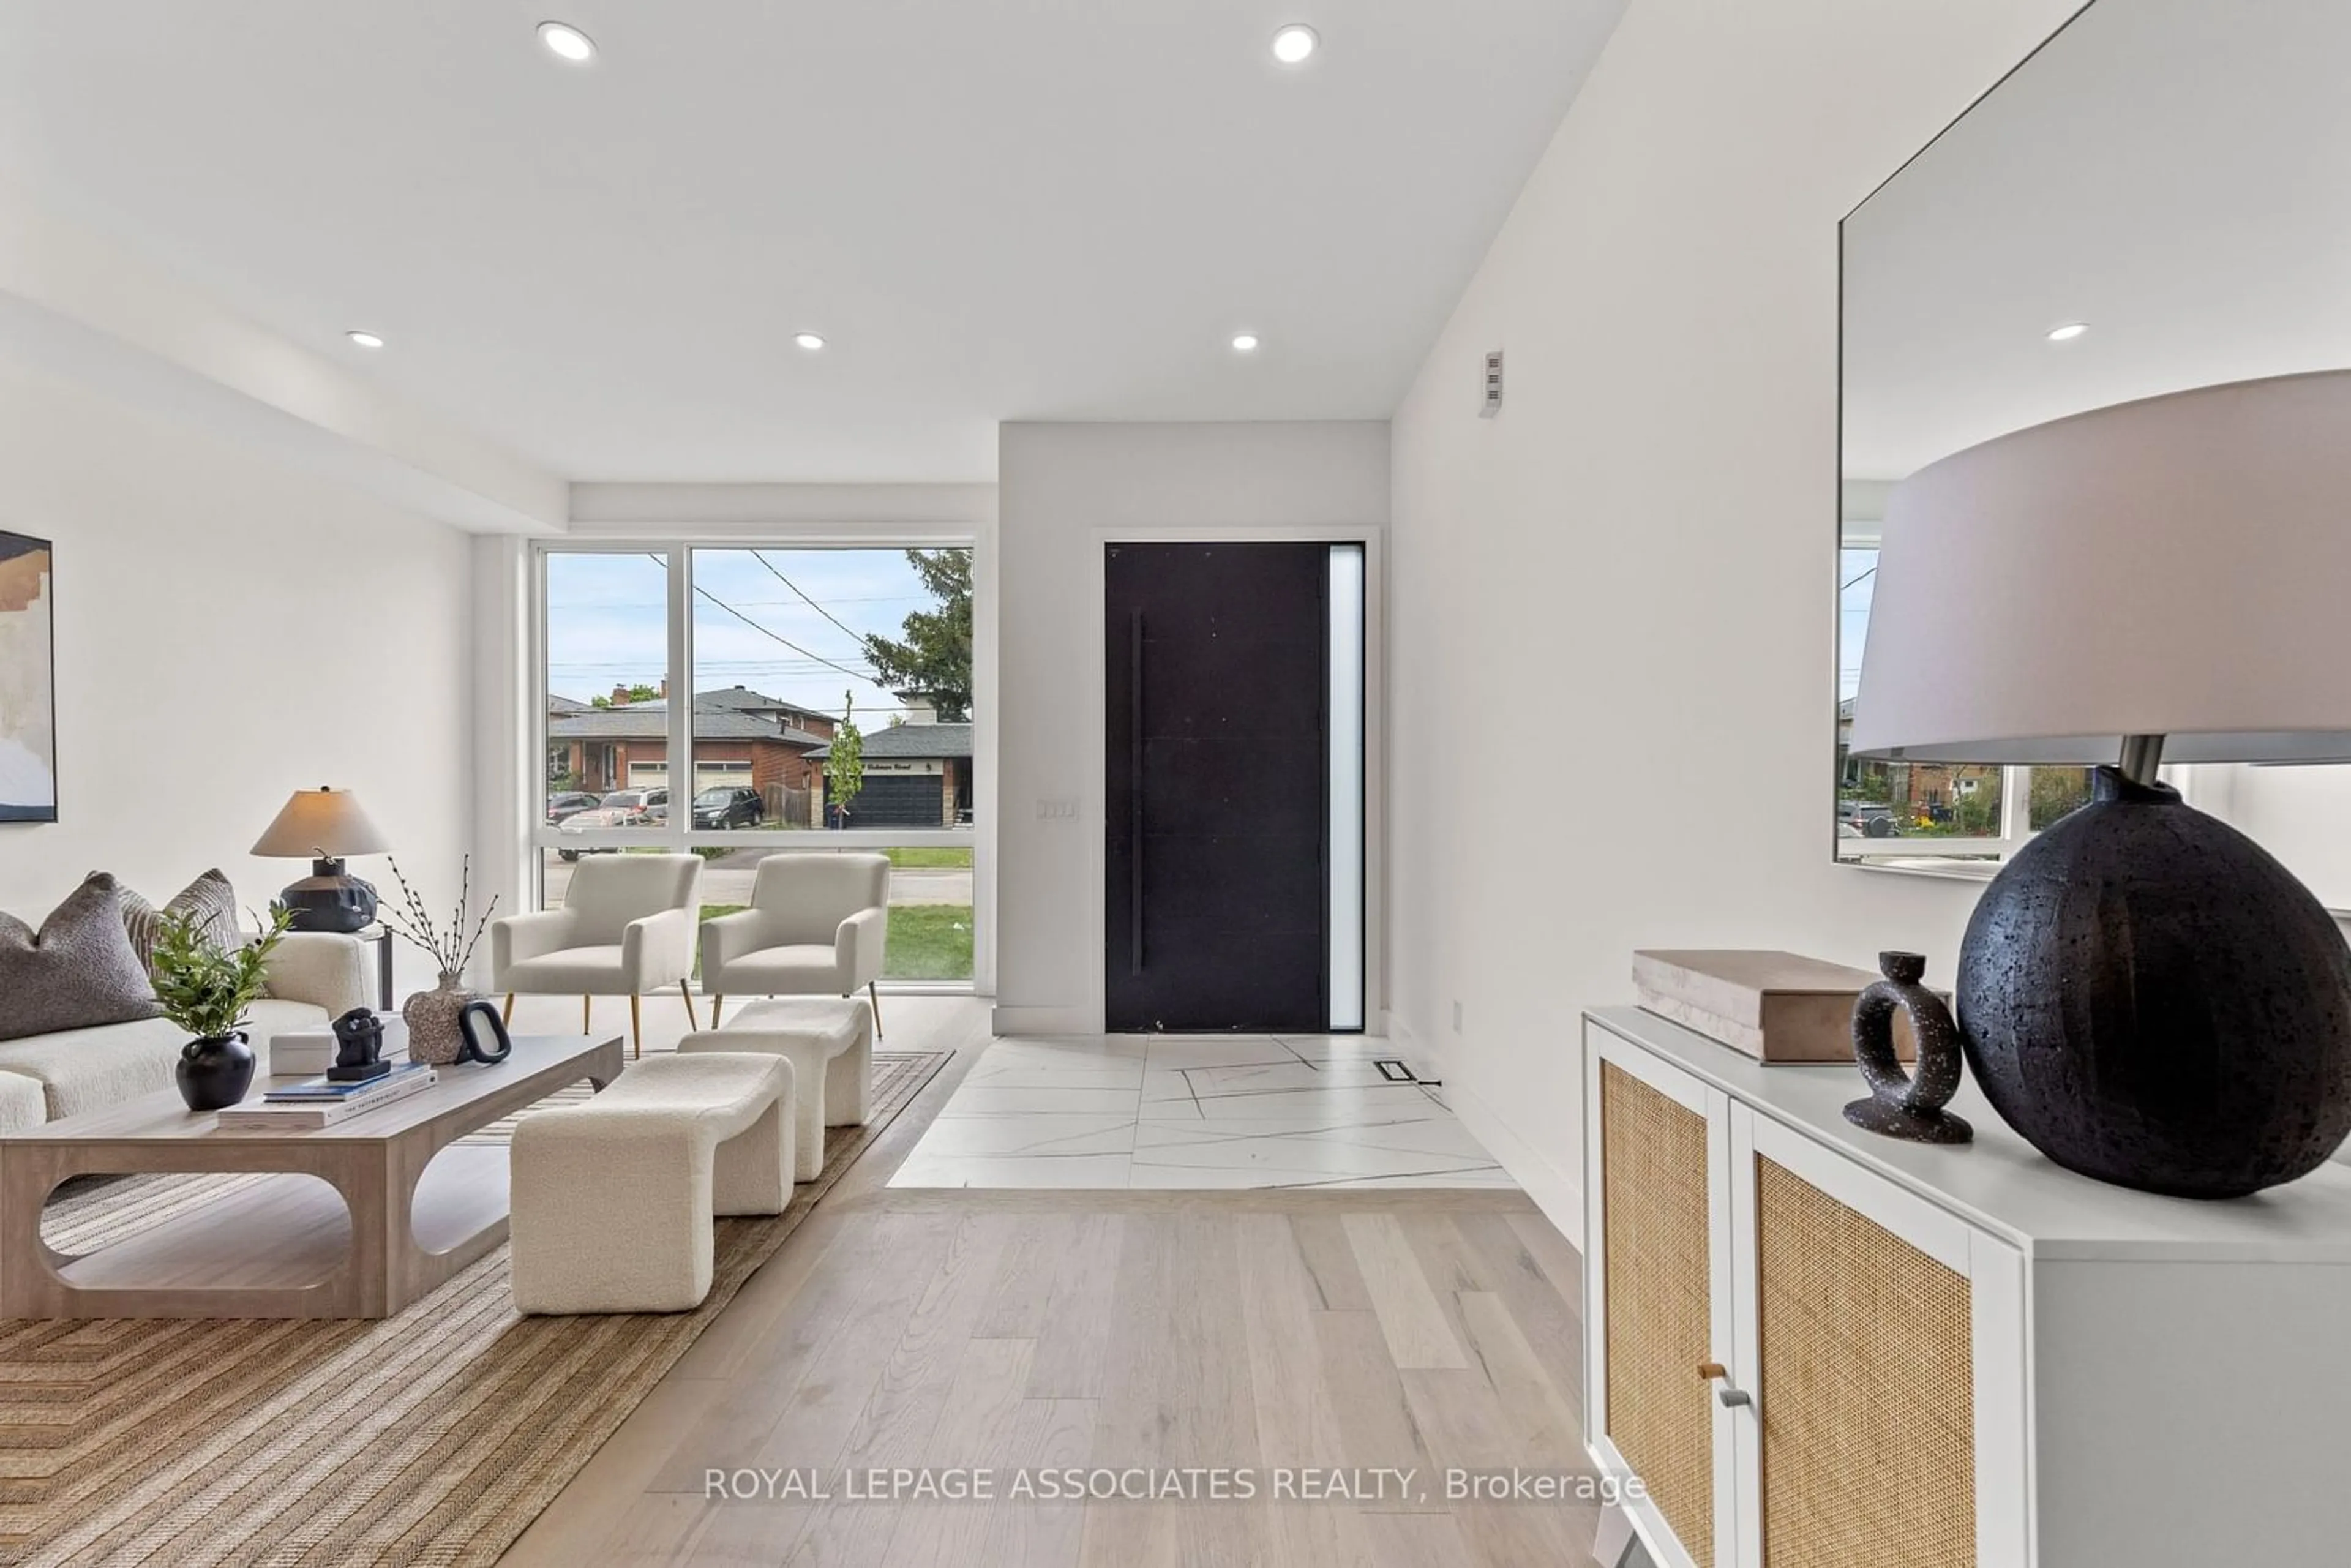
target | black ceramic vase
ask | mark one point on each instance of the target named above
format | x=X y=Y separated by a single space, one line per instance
x=2150 y=998
x=215 y=1073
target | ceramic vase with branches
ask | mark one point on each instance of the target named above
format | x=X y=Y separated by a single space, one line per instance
x=431 y=1016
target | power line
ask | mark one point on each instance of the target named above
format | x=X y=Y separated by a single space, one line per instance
x=764 y=632
x=856 y=636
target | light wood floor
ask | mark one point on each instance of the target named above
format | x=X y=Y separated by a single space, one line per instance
x=1054 y=1331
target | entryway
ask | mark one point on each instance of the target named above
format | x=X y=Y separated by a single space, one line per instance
x=1234 y=836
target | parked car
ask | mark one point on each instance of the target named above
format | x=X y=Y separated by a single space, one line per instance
x=728 y=806
x=564 y=805
x=621 y=808
x=1874 y=821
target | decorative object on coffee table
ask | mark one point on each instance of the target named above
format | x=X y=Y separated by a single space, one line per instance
x=28 y=751
x=208 y=991
x=358 y=1048
x=1902 y=1104
x=431 y=1016
x=325 y=825
x=2146 y=995
x=477 y=1022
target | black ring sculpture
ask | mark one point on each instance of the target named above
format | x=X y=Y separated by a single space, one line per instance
x=1899 y=1104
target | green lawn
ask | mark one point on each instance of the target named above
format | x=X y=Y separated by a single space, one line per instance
x=927 y=941
x=930 y=856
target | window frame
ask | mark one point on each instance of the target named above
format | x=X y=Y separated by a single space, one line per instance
x=677 y=834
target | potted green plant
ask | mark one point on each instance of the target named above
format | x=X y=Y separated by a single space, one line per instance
x=209 y=991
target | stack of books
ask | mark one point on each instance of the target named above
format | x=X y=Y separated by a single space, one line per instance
x=317 y=1102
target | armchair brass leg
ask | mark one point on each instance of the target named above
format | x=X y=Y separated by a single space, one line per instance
x=715 y=1003
x=874 y=996
x=587 y=1014
x=509 y=1016
x=687 y=992
x=636 y=1028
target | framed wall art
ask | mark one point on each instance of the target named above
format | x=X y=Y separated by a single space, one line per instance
x=28 y=722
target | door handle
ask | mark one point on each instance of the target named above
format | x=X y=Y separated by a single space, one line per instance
x=1728 y=1398
x=1135 y=793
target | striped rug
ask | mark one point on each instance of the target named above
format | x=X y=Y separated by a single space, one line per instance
x=431 y=1437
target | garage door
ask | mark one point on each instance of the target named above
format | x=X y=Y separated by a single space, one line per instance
x=900 y=801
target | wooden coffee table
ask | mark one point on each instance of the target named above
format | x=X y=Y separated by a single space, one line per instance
x=356 y=1221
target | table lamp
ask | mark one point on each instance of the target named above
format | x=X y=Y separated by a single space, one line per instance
x=322 y=826
x=2146 y=995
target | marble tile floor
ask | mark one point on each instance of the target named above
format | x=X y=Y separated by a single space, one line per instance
x=1162 y=1112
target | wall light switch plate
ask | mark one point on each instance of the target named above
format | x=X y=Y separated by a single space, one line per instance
x=1457 y=1017
x=1493 y=403
x=1056 y=809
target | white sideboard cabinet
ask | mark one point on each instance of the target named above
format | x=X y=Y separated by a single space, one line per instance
x=1820 y=1348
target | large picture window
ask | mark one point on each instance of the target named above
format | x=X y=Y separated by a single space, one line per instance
x=823 y=697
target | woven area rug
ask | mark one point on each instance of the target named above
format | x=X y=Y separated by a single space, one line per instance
x=431 y=1437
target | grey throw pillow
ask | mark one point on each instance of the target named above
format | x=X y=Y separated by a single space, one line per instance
x=78 y=972
x=209 y=900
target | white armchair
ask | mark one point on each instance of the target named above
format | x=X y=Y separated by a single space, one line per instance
x=626 y=927
x=817 y=927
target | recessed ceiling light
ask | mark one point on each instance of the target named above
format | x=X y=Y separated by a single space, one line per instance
x=365 y=339
x=565 y=42
x=1294 y=43
x=1245 y=342
x=807 y=340
x=2068 y=332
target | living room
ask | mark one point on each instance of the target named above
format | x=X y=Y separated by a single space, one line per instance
x=977 y=722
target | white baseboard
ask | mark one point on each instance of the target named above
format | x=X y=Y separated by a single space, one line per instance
x=1042 y=1020
x=1558 y=1193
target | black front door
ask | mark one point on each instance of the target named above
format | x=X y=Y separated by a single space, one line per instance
x=1217 y=903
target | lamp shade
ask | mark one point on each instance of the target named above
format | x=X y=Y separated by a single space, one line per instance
x=2176 y=567
x=325 y=823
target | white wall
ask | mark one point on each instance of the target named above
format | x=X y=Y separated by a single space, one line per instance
x=1061 y=490
x=229 y=631
x=1613 y=605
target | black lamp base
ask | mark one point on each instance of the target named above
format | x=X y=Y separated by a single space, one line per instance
x=328 y=899
x=2151 y=999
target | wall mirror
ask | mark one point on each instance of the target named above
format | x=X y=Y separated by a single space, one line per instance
x=2158 y=198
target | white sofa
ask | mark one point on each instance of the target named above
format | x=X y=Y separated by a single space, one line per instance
x=314 y=976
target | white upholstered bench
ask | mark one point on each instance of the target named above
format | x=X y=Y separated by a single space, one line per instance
x=829 y=1043
x=613 y=1199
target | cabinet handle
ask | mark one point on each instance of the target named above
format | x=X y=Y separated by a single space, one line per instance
x=1731 y=1399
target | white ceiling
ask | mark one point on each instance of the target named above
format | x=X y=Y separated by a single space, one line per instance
x=1055 y=209
x=2175 y=173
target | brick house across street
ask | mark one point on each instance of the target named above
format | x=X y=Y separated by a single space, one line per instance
x=741 y=737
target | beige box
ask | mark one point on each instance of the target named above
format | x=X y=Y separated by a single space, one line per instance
x=1775 y=1007
x=309 y=1052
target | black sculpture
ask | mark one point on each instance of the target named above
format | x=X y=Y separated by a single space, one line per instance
x=1902 y=1105
x=358 y=1048
x=475 y=1021
x=2150 y=998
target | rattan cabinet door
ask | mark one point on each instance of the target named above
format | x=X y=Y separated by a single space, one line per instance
x=1862 y=1345
x=1659 y=1210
